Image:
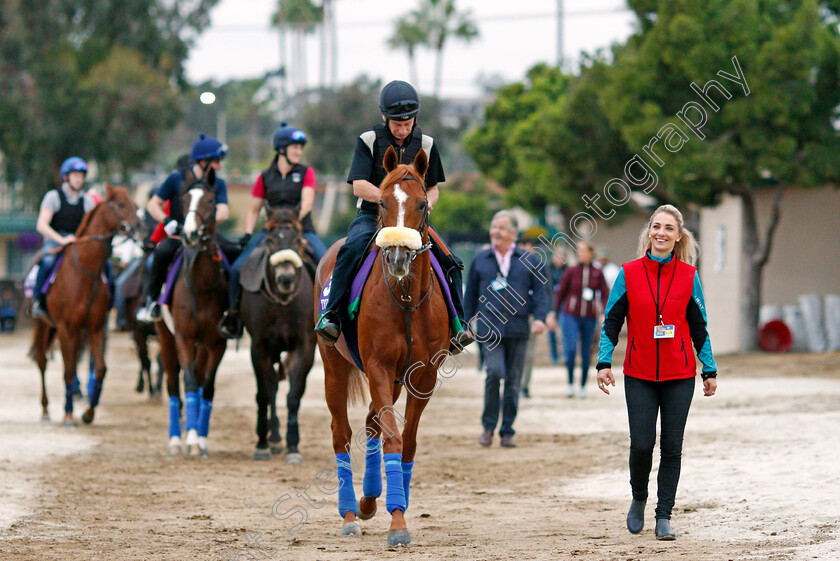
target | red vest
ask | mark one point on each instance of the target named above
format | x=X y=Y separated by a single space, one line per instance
x=670 y=285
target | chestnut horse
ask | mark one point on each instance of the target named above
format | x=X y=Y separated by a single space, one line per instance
x=276 y=306
x=78 y=299
x=198 y=301
x=402 y=301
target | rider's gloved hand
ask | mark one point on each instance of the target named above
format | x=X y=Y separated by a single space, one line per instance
x=172 y=228
x=244 y=240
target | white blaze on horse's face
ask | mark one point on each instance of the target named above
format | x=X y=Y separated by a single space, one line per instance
x=190 y=225
x=401 y=197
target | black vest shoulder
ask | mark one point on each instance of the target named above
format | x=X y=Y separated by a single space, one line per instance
x=405 y=155
x=69 y=216
x=285 y=192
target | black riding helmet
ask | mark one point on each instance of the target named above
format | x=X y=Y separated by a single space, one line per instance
x=399 y=101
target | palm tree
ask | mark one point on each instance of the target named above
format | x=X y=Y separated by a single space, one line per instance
x=301 y=17
x=440 y=19
x=409 y=33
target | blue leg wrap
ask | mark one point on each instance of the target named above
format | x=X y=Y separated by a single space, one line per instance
x=76 y=383
x=346 y=494
x=68 y=398
x=192 y=410
x=372 y=485
x=204 y=417
x=90 y=387
x=94 y=391
x=394 y=494
x=406 y=470
x=174 y=417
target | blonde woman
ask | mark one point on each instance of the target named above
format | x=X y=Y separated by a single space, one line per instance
x=660 y=296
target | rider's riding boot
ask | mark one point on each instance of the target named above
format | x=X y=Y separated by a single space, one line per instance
x=329 y=327
x=230 y=327
x=452 y=267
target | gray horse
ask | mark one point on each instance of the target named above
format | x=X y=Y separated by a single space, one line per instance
x=277 y=304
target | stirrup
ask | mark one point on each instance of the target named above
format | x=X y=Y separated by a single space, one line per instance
x=230 y=326
x=327 y=329
x=154 y=311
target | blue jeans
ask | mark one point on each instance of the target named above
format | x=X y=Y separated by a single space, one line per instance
x=645 y=400
x=575 y=328
x=47 y=261
x=552 y=347
x=318 y=246
x=503 y=362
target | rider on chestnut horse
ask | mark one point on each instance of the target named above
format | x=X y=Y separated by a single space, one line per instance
x=400 y=105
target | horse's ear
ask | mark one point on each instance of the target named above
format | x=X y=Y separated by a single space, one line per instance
x=390 y=160
x=421 y=163
x=109 y=190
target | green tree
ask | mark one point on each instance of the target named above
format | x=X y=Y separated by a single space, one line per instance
x=777 y=126
x=409 y=34
x=51 y=56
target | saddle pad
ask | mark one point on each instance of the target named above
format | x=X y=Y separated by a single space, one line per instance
x=175 y=269
x=51 y=278
x=253 y=270
x=349 y=315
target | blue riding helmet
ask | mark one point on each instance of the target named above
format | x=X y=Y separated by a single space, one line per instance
x=399 y=101
x=73 y=164
x=287 y=135
x=208 y=148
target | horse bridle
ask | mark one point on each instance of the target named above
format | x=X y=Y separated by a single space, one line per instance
x=404 y=301
x=268 y=291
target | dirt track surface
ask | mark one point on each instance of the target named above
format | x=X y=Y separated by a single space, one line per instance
x=759 y=480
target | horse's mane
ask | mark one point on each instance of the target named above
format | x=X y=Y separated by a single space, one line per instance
x=110 y=194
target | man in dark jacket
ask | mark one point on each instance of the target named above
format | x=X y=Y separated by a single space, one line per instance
x=501 y=292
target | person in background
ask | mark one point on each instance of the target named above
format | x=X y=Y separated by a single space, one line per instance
x=607 y=267
x=285 y=184
x=207 y=153
x=527 y=244
x=557 y=268
x=660 y=296
x=575 y=303
x=59 y=217
x=504 y=291
x=8 y=310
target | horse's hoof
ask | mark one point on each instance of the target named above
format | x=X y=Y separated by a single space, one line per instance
x=192 y=442
x=139 y=388
x=367 y=515
x=277 y=449
x=45 y=418
x=261 y=454
x=294 y=458
x=398 y=537
x=351 y=529
x=70 y=423
x=203 y=449
x=87 y=417
x=175 y=446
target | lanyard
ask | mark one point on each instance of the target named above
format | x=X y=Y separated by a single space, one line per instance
x=659 y=315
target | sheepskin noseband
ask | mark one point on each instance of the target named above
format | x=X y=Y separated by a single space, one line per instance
x=398 y=236
x=286 y=255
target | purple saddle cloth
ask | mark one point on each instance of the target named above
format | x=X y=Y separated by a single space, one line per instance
x=174 y=271
x=350 y=313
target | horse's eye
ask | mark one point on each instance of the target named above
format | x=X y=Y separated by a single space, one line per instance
x=422 y=206
x=121 y=206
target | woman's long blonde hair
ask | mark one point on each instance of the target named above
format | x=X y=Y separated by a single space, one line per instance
x=686 y=249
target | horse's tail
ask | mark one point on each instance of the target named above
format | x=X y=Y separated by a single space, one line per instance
x=41 y=338
x=357 y=384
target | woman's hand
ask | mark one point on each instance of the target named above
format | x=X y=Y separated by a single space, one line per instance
x=605 y=378
x=68 y=239
x=709 y=387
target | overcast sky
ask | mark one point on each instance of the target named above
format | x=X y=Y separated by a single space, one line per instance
x=514 y=35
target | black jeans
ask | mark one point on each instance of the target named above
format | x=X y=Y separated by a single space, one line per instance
x=645 y=400
x=503 y=362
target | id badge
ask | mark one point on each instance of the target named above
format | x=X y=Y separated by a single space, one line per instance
x=499 y=284
x=663 y=332
x=588 y=294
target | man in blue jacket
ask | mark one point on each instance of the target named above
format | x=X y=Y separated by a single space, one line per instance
x=501 y=291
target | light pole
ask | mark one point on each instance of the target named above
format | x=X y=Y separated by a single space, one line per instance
x=209 y=98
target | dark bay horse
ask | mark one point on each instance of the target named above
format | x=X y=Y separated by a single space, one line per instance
x=141 y=331
x=276 y=309
x=198 y=301
x=78 y=299
x=402 y=301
